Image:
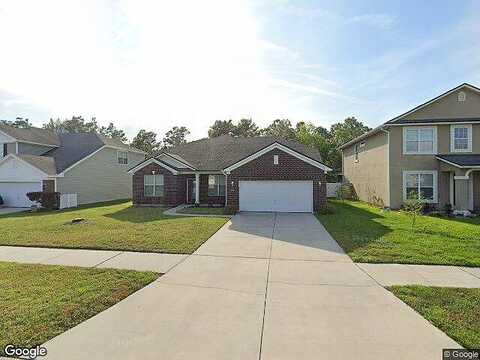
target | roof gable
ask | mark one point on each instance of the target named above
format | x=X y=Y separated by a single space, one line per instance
x=445 y=106
x=32 y=135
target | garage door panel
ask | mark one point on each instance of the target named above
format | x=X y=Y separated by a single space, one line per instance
x=279 y=196
x=14 y=194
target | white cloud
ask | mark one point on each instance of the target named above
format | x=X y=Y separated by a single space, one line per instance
x=144 y=64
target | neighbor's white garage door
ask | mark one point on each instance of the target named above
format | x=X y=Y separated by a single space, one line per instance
x=281 y=196
x=14 y=193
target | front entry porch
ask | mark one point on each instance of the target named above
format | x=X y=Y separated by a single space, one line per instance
x=462 y=174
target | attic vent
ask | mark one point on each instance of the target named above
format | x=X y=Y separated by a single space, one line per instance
x=462 y=96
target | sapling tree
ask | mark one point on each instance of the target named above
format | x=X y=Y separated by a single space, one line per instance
x=413 y=207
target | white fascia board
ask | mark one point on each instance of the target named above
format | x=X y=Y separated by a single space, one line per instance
x=12 y=156
x=437 y=123
x=180 y=161
x=279 y=146
x=125 y=150
x=152 y=161
x=81 y=160
x=458 y=166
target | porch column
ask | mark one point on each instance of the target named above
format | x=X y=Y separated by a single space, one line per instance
x=197 y=188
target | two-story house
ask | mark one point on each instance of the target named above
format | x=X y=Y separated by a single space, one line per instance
x=92 y=167
x=431 y=151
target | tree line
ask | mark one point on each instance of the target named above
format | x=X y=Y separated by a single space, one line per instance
x=326 y=141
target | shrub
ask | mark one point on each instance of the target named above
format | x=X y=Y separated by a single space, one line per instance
x=48 y=200
x=1 y=201
x=327 y=210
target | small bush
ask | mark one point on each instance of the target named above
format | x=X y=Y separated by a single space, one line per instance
x=327 y=210
x=1 y=201
x=48 y=200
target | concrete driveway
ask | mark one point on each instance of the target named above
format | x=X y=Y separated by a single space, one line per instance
x=266 y=286
x=9 y=210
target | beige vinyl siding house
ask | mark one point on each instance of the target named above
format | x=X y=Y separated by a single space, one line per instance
x=366 y=165
x=99 y=177
x=434 y=148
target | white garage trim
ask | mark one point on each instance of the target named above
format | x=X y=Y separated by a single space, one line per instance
x=276 y=195
x=284 y=148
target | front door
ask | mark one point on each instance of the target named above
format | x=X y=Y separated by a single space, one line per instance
x=191 y=186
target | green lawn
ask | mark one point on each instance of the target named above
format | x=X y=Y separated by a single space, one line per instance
x=114 y=226
x=454 y=311
x=203 y=210
x=369 y=234
x=39 y=302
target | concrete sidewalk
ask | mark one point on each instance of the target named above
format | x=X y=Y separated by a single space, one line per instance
x=266 y=286
x=160 y=263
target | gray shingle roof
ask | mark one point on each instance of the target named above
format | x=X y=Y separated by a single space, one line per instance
x=220 y=152
x=32 y=135
x=462 y=160
x=69 y=147
x=44 y=163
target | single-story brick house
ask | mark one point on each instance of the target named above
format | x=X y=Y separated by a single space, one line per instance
x=243 y=174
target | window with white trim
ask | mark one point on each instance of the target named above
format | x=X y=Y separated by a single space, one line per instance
x=420 y=185
x=419 y=140
x=153 y=185
x=122 y=157
x=216 y=185
x=461 y=138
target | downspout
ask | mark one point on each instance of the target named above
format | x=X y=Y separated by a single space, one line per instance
x=226 y=188
x=388 y=166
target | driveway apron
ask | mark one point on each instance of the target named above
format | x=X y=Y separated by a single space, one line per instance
x=265 y=286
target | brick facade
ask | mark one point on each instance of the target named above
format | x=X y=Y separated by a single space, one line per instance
x=288 y=168
x=175 y=188
x=262 y=168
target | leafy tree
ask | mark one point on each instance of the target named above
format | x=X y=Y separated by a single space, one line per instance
x=111 y=131
x=280 y=128
x=76 y=124
x=246 y=128
x=146 y=141
x=175 y=136
x=19 y=122
x=221 y=127
x=347 y=130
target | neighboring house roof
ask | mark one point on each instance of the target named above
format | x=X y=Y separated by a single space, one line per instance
x=461 y=160
x=400 y=119
x=44 y=163
x=215 y=154
x=31 y=135
x=70 y=148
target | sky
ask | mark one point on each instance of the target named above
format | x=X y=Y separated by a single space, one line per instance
x=157 y=64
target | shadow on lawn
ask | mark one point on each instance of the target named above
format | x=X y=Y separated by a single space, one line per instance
x=353 y=227
x=141 y=214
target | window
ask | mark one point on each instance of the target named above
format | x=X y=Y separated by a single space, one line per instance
x=462 y=96
x=420 y=185
x=122 y=157
x=153 y=185
x=461 y=138
x=275 y=159
x=216 y=185
x=419 y=140
x=5 y=150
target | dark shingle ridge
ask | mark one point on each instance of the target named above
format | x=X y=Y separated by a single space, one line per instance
x=220 y=152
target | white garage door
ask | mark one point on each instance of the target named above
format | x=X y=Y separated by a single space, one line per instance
x=281 y=196
x=14 y=193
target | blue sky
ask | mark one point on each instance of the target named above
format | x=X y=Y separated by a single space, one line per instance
x=154 y=65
